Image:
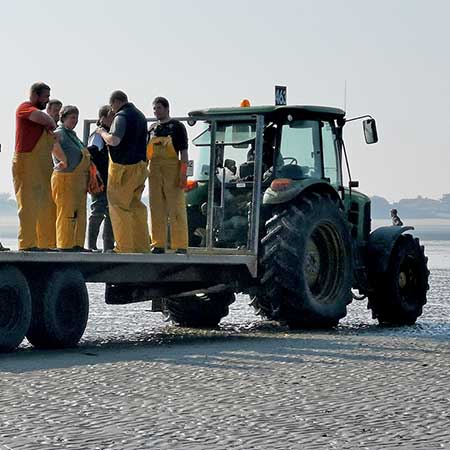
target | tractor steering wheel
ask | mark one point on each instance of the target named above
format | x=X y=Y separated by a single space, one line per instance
x=292 y=160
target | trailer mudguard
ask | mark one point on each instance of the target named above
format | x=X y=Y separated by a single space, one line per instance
x=381 y=243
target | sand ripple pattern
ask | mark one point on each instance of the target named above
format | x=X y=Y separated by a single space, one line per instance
x=137 y=383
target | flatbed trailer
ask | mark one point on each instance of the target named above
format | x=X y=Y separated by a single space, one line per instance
x=48 y=289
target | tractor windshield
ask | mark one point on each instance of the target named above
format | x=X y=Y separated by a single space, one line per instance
x=228 y=134
x=300 y=148
x=235 y=142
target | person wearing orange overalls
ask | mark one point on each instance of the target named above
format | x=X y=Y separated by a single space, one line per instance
x=32 y=170
x=167 y=152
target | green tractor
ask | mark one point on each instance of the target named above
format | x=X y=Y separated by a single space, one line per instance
x=269 y=216
x=268 y=182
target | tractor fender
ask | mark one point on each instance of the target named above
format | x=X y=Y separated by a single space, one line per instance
x=298 y=187
x=381 y=243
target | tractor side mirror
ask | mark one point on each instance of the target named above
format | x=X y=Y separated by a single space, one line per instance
x=370 y=131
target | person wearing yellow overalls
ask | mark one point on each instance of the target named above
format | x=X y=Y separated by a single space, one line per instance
x=70 y=184
x=32 y=170
x=127 y=173
x=167 y=152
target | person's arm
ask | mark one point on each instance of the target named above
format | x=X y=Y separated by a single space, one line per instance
x=28 y=111
x=42 y=119
x=117 y=132
x=184 y=156
x=109 y=138
x=59 y=154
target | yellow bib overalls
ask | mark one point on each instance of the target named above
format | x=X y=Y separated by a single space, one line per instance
x=69 y=193
x=128 y=214
x=167 y=202
x=32 y=173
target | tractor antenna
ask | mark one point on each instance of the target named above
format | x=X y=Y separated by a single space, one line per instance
x=345 y=95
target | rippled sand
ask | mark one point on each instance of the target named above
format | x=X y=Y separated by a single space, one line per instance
x=136 y=382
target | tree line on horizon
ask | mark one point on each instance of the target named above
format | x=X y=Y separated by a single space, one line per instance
x=412 y=208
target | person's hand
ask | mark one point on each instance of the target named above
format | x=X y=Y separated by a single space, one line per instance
x=52 y=126
x=183 y=181
x=61 y=165
x=99 y=130
x=183 y=175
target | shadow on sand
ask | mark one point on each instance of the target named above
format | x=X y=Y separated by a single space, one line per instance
x=261 y=345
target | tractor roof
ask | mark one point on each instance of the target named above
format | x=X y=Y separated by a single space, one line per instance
x=270 y=111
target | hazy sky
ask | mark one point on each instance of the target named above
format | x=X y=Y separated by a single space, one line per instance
x=394 y=56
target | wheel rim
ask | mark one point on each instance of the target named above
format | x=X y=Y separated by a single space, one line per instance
x=408 y=279
x=312 y=263
x=323 y=263
x=10 y=307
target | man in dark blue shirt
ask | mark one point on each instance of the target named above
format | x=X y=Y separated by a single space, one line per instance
x=127 y=142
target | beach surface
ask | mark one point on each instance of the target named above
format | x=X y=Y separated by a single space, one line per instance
x=260 y=386
x=137 y=382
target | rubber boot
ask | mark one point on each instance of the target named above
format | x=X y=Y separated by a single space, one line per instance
x=108 y=235
x=93 y=230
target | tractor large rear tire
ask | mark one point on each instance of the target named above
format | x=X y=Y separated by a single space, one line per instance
x=15 y=308
x=204 y=311
x=401 y=292
x=307 y=264
x=60 y=309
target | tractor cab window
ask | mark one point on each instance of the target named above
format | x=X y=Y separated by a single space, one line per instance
x=330 y=155
x=234 y=150
x=300 y=150
x=233 y=185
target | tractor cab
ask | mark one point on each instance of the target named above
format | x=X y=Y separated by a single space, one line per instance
x=259 y=156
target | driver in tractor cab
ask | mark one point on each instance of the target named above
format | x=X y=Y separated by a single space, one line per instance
x=246 y=169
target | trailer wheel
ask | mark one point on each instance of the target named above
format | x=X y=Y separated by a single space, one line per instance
x=202 y=311
x=60 y=309
x=307 y=265
x=401 y=292
x=15 y=308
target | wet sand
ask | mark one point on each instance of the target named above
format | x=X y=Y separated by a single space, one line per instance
x=258 y=390
x=249 y=385
x=135 y=382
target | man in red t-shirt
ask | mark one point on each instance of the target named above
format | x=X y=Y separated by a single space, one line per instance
x=32 y=170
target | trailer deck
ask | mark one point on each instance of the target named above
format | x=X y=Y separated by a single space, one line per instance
x=140 y=268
